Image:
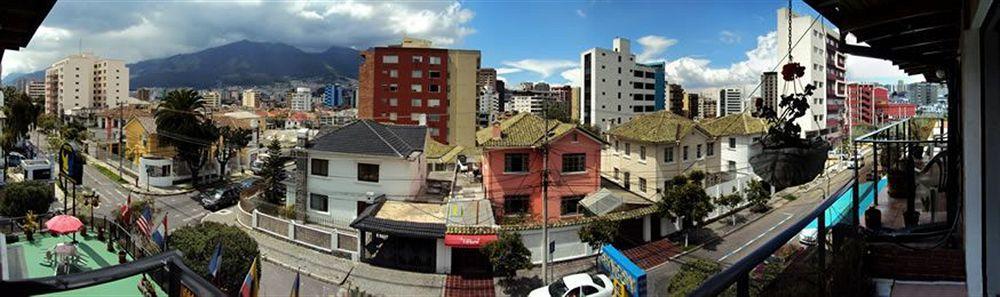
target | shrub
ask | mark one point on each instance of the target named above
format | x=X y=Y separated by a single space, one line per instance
x=691 y=276
x=20 y=198
x=507 y=254
x=198 y=242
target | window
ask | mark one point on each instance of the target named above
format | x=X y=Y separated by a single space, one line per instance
x=574 y=163
x=433 y=103
x=416 y=88
x=731 y=166
x=434 y=88
x=732 y=142
x=318 y=202
x=628 y=149
x=575 y=137
x=515 y=204
x=320 y=167
x=418 y=59
x=684 y=153
x=710 y=149
x=393 y=73
x=434 y=74
x=668 y=154
x=368 y=172
x=616 y=173
x=642 y=185
x=415 y=103
x=697 y=151
x=392 y=116
x=390 y=59
x=515 y=163
x=417 y=74
x=642 y=152
x=416 y=117
x=393 y=102
x=570 y=205
x=435 y=131
x=393 y=88
x=616 y=146
x=435 y=60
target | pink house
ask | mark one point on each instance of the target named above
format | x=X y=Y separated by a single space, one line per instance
x=512 y=166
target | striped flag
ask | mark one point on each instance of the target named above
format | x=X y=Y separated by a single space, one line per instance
x=160 y=234
x=295 y=286
x=125 y=209
x=144 y=219
x=249 y=287
x=216 y=261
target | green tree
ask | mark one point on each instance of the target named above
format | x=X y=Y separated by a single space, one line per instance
x=181 y=122
x=730 y=201
x=555 y=110
x=19 y=198
x=757 y=195
x=507 y=254
x=48 y=123
x=687 y=201
x=691 y=276
x=74 y=131
x=231 y=141
x=273 y=172
x=198 y=243
x=599 y=232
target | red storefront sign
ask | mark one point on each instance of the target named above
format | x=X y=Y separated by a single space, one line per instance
x=467 y=241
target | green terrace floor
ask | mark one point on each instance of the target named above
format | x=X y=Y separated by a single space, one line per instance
x=27 y=260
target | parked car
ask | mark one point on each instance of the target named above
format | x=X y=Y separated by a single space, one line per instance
x=220 y=198
x=14 y=159
x=576 y=285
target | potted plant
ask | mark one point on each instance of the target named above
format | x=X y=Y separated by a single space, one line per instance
x=121 y=257
x=30 y=225
x=786 y=159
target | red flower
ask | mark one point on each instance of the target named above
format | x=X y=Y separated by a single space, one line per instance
x=791 y=71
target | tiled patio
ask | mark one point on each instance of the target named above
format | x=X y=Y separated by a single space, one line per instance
x=27 y=260
x=652 y=254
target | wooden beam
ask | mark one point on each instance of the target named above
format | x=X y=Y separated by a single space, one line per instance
x=911 y=31
x=949 y=42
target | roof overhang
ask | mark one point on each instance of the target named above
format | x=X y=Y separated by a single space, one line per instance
x=370 y=222
x=921 y=37
x=19 y=20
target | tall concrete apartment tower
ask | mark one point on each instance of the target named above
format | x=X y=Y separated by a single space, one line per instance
x=301 y=100
x=413 y=83
x=249 y=98
x=85 y=81
x=769 y=90
x=730 y=101
x=817 y=51
x=616 y=88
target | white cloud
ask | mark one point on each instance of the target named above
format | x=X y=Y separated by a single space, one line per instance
x=728 y=37
x=137 y=30
x=653 y=47
x=864 y=69
x=696 y=73
x=543 y=67
x=574 y=77
x=504 y=70
x=501 y=78
x=581 y=13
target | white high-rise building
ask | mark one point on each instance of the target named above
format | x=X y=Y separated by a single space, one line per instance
x=529 y=103
x=35 y=89
x=616 y=88
x=302 y=100
x=489 y=100
x=816 y=51
x=730 y=102
x=213 y=99
x=250 y=98
x=85 y=81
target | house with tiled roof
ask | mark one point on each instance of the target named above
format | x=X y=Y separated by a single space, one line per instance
x=512 y=166
x=648 y=151
x=737 y=133
x=352 y=167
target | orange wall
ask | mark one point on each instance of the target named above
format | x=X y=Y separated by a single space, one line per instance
x=498 y=184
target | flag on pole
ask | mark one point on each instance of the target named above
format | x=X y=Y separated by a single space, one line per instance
x=216 y=261
x=295 y=286
x=144 y=219
x=125 y=208
x=160 y=234
x=249 y=287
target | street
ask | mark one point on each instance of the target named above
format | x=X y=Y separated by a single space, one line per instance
x=277 y=280
x=181 y=209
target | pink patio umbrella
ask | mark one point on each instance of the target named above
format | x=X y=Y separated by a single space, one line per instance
x=63 y=224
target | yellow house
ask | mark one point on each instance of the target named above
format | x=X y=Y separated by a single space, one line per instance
x=141 y=140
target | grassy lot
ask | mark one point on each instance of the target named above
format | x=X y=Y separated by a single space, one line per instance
x=109 y=173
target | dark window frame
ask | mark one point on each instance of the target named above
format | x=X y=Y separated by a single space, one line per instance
x=364 y=173
x=508 y=162
x=316 y=164
x=570 y=163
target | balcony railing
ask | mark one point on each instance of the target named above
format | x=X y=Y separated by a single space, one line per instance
x=818 y=267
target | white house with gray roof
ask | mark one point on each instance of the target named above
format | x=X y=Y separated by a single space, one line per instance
x=352 y=166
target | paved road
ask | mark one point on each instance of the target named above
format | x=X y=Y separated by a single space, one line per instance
x=276 y=280
x=181 y=209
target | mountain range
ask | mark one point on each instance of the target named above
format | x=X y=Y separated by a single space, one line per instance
x=240 y=63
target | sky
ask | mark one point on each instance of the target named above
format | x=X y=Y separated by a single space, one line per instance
x=705 y=44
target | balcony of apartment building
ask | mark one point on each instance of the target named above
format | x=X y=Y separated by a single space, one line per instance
x=918 y=217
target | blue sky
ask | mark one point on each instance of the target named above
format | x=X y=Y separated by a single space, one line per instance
x=705 y=43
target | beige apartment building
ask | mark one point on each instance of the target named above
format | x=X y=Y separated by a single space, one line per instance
x=85 y=81
x=250 y=98
x=648 y=151
x=212 y=99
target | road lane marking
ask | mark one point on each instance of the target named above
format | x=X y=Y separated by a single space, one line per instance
x=745 y=245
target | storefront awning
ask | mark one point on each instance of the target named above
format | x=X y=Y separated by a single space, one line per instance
x=468 y=241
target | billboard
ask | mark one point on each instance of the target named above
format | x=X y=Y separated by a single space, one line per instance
x=71 y=163
x=628 y=278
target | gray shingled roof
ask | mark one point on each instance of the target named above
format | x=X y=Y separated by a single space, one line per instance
x=368 y=137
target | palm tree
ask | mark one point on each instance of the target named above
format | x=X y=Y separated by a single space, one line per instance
x=182 y=123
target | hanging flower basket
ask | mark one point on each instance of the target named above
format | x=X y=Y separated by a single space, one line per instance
x=785 y=159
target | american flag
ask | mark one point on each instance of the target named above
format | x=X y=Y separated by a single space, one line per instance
x=143 y=220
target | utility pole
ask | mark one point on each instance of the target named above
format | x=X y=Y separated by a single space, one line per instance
x=545 y=195
x=121 y=138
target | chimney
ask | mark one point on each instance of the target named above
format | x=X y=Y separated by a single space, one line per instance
x=497 y=134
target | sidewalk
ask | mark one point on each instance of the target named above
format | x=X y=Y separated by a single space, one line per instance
x=335 y=270
x=131 y=182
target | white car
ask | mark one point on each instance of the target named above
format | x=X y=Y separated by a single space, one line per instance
x=576 y=285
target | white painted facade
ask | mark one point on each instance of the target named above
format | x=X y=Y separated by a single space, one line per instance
x=529 y=104
x=735 y=152
x=85 y=81
x=622 y=162
x=611 y=87
x=810 y=52
x=398 y=179
x=302 y=100
x=730 y=102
